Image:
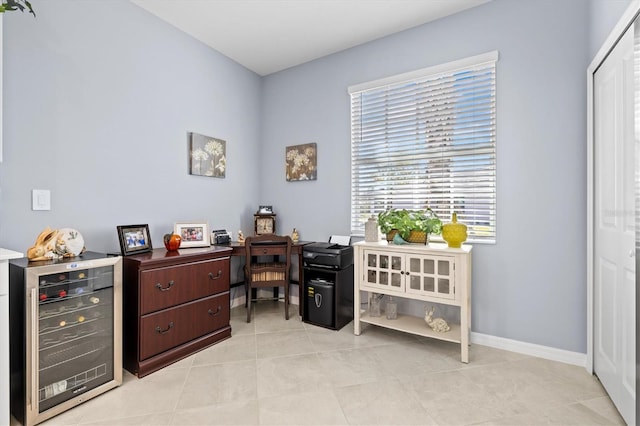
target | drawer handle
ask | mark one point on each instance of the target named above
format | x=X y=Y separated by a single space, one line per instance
x=161 y=331
x=159 y=286
x=216 y=312
x=215 y=277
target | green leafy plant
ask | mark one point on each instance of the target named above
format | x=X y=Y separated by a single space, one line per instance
x=405 y=221
x=21 y=5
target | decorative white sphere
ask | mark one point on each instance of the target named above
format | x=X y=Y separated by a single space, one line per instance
x=69 y=242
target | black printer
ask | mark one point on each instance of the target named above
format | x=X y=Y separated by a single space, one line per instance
x=327 y=255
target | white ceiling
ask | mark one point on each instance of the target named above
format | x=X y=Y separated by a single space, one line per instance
x=267 y=36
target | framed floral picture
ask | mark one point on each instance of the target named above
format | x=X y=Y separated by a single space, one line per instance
x=301 y=162
x=207 y=156
x=193 y=234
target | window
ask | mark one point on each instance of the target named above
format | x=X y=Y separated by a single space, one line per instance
x=427 y=139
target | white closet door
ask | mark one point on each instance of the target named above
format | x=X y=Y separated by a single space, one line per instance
x=614 y=233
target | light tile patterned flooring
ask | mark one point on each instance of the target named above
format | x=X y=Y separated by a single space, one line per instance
x=277 y=372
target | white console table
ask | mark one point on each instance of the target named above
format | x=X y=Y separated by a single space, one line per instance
x=5 y=257
x=431 y=273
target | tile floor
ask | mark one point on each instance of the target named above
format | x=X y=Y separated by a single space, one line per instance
x=277 y=372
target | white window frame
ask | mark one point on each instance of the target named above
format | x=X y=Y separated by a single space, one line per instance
x=426 y=162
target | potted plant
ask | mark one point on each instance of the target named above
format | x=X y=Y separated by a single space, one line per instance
x=21 y=5
x=411 y=225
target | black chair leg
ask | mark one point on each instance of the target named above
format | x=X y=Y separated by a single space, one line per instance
x=247 y=302
x=286 y=301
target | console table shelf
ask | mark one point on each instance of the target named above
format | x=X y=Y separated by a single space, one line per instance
x=413 y=325
x=429 y=273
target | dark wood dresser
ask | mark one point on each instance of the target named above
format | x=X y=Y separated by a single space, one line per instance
x=174 y=304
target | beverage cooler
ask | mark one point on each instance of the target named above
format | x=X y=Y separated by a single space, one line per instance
x=66 y=333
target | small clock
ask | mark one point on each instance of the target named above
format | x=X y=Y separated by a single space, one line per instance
x=264 y=224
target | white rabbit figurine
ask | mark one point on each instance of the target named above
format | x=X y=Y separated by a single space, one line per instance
x=437 y=324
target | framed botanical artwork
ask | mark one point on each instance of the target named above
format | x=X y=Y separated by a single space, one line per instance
x=301 y=162
x=207 y=156
x=134 y=239
x=193 y=234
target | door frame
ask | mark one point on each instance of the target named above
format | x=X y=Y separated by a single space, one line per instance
x=627 y=20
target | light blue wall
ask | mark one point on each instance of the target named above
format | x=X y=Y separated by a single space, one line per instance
x=98 y=99
x=530 y=286
x=603 y=16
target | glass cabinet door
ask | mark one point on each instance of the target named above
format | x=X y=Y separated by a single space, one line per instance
x=75 y=332
x=432 y=275
x=384 y=269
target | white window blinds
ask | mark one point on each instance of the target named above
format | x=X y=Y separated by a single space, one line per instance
x=427 y=139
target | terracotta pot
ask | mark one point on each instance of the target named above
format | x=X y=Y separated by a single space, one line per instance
x=391 y=234
x=419 y=237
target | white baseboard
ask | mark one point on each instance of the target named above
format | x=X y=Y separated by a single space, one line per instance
x=546 y=352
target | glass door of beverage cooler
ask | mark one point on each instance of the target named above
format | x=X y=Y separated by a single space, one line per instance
x=72 y=333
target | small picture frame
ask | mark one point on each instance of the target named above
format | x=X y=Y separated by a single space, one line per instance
x=134 y=239
x=193 y=234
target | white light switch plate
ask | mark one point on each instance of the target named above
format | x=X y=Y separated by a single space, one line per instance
x=41 y=199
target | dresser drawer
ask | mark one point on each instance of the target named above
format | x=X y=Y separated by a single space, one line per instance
x=267 y=250
x=165 y=287
x=166 y=329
